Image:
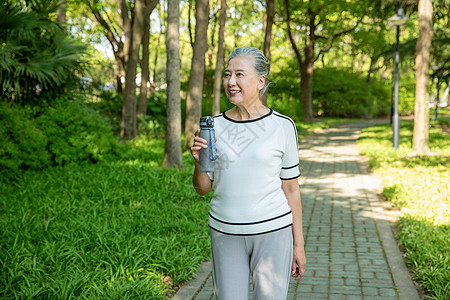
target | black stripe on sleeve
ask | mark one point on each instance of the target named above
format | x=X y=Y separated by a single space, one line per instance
x=287 y=168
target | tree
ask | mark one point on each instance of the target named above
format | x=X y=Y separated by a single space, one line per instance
x=220 y=58
x=172 y=154
x=320 y=23
x=422 y=65
x=194 y=97
x=270 y=14
x=126 y=52
x=133 y=24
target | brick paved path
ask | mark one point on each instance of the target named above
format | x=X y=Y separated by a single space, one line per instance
x=345 y=256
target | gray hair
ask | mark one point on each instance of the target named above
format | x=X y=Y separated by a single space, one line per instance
x=262 y=64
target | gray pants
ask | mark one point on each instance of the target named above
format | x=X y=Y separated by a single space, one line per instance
x=266 y=257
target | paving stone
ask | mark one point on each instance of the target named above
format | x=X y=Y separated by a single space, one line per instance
x=345 y=289
x=305 y=288
x=370 y=291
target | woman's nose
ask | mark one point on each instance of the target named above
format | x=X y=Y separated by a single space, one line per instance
x=232 y=80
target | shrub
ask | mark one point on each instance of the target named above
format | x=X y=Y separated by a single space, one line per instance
x=23 y=144
x=75 y=133
x=340 y=93
x=109 y=104
x=56 y=134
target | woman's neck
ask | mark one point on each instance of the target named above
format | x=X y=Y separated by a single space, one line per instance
x=248 y=112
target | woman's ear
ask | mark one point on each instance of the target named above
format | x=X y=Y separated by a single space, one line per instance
x=261 y=82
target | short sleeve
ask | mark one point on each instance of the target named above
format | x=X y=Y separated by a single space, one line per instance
x=290 y=161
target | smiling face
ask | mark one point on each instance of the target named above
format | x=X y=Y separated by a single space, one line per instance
x=241 y=83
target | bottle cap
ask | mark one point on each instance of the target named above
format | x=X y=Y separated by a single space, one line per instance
x=207 y=122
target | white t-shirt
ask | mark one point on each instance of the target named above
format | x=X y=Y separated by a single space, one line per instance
x=252 y=158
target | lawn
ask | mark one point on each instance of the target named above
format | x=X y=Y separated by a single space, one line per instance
x=420 y=187
x=119 y=230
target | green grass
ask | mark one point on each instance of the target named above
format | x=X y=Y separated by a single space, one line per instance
x=420 y=186
x=114 y=230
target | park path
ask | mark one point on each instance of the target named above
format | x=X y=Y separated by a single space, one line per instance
x=350 y=249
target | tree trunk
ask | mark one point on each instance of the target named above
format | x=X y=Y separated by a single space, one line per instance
x=307 y=71
x=118 y=76
x=422 y=64
x=61 y=11
x=369 y=73
x=172 y=152
x=194 y=97
x=213 y=46
x=189 y=23
x=133 y=30
x=306 y=87
x=145 y=78
x=270 y=14
x=220 y=58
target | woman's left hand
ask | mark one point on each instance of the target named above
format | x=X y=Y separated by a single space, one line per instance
x=298 y=262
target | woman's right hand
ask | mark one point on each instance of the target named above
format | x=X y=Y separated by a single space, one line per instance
x=199 y=143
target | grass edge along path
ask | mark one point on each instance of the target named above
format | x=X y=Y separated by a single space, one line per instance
x=419 y=187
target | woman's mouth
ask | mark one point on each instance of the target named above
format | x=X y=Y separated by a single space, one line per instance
x=234 y=92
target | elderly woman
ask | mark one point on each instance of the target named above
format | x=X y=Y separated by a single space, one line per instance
x=256 y=216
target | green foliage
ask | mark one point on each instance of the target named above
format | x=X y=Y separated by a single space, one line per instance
x=336 y=93
x=154 y=123
x=406 y=94
x=428 y=247
x=284 y=92
x=113 y=230
x=419 y=185
x=58 y=133
x=23 y=144
x=36 y=55
x=108 y=104
x=341 y=93
x=75 y=133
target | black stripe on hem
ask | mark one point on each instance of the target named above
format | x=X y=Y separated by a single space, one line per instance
x=287 y=168
x=251 y=223
x=250 y=234
x=290 y=178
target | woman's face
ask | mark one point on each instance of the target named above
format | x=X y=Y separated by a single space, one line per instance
x=241 y=83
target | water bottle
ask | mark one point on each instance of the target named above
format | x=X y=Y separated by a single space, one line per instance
x=207 y=156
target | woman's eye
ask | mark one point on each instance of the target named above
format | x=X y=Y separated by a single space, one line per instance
x=227 y=75
x=240 y=74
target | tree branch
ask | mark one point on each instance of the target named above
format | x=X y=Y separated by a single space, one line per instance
x=291 y=38
x=322 y=51
x=109 y=31
x=150 y=6
x=334 y=36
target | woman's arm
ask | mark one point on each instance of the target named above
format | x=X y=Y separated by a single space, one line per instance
x=201 y=181
x=292 y=191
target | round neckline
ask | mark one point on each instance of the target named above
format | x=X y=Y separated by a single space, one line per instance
x=247 y=121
